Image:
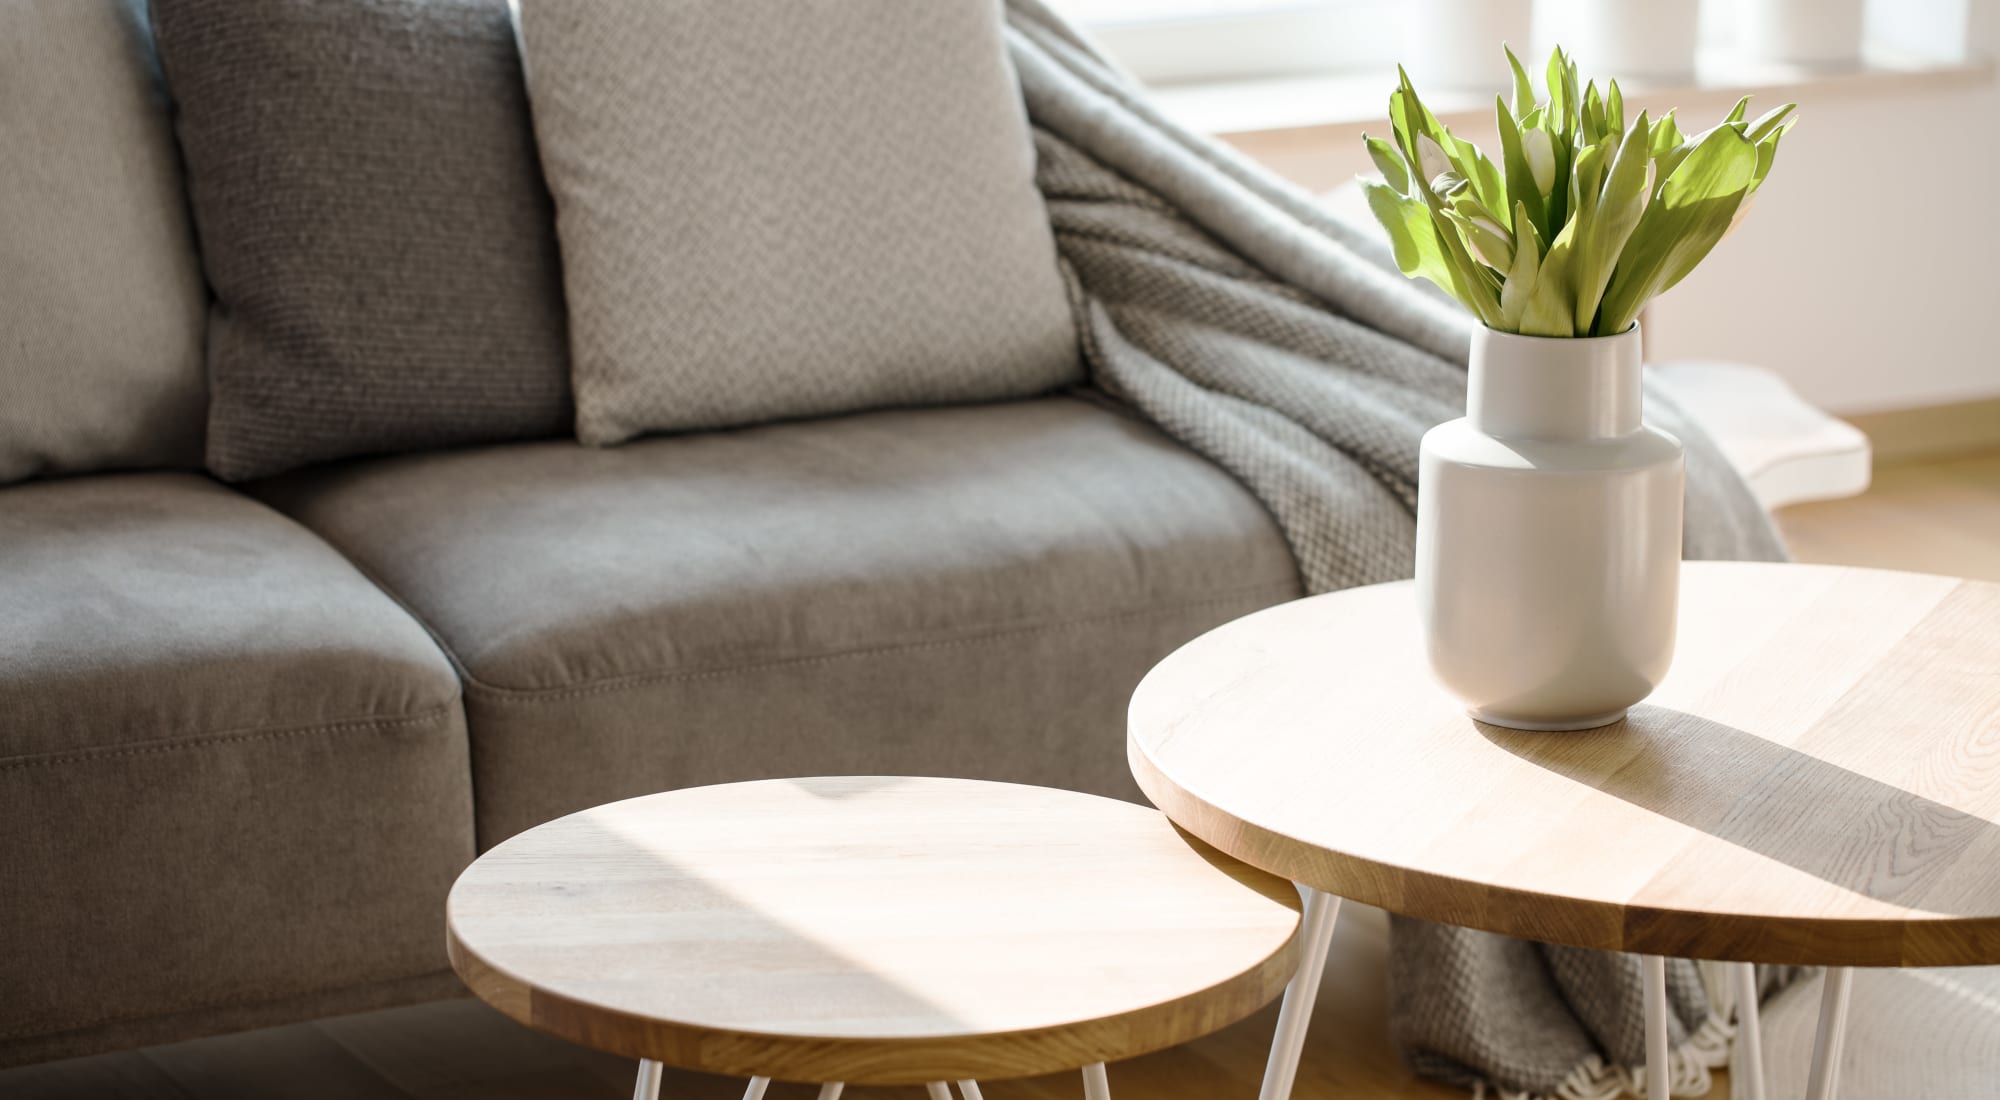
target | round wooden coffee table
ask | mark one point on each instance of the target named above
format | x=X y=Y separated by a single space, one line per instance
x=1817 y=782
x=871 y=930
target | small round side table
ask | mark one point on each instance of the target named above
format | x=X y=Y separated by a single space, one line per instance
x=871 y=930
x=1817 y=782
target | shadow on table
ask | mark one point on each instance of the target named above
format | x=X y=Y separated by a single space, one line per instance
x=1837 y=825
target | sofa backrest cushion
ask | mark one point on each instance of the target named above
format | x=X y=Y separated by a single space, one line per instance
x=374 y=223
x=782 y=208
x=101 y=299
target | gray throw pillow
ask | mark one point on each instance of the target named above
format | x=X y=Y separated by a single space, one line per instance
x=374 y=223
x=777 y=208
x=101 y=301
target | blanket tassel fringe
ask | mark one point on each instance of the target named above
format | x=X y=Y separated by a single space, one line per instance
x=1595 y=1079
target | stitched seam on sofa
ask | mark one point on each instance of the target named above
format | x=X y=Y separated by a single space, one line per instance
x=35 y=1031
x=494 y=693
x=111 y=752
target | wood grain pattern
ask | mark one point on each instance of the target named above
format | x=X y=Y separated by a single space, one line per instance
x=871 y=930
x=1817 y=781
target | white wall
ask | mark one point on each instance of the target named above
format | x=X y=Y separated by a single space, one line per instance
x=1869 y=272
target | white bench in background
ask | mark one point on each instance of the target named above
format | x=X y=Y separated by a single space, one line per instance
x=1789 y=451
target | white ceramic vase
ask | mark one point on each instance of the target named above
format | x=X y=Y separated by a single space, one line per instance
x=1549 y=535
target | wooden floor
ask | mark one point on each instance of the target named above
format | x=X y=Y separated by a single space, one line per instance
x=1937 y=516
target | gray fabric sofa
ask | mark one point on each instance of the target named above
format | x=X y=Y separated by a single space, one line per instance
x=249 y=734
x=246 y=744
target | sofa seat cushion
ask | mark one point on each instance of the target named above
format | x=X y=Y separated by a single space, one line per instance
x=961 y=591
x=232 y=770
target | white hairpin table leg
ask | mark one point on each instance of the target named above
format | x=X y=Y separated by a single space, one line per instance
x=830 y=1090
x=1825 y=1078
x=755 y=1090
x=648 y=1087
x=969 y=1090
x=1096 y=1086
x=1749 y=1034
x=1295 y=1016
x=938 y=1090
x=1654 y=970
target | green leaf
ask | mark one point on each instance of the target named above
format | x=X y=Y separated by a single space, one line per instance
x=1548 y=310
x=1768 y=122
x=1483 y=174
x=1398 y=123
x=1522 y=194
x=1767 y=154
x=1558 y=212
x=1593 y=114
x=1524 y=92
x=1560 y=121
x=1586 y=179
x=1614 y=215
x=1570 y=95
x=1666 y=136
x=1412 y=236
x=1524 y=273
x=1693 y=211
x=1669 y=148
x=1614 y=110
x=1406 y=119
x=1423 y=251
x=1421 y=117
x=1736 y=112
x=1560 y=103
x=1389 y=162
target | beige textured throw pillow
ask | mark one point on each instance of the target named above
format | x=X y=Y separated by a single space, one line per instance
x=102 y=307
x=787 y=208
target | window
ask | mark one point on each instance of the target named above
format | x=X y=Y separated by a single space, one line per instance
x=1189 y=41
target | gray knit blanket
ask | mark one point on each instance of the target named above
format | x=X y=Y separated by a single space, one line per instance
x=1231 y=310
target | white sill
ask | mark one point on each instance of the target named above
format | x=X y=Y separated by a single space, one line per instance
x=1358 y=100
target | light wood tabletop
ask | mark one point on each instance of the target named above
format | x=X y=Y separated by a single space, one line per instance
x=871 y=930
x=1816 y=782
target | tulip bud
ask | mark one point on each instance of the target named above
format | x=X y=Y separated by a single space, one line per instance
x=1431 y=158
x=1541 y=153
x=1489 y=250
x=1446 y=184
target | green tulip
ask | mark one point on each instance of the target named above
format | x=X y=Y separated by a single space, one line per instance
x=1540 y=150
x=1587 y=217
x=1431 y=158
